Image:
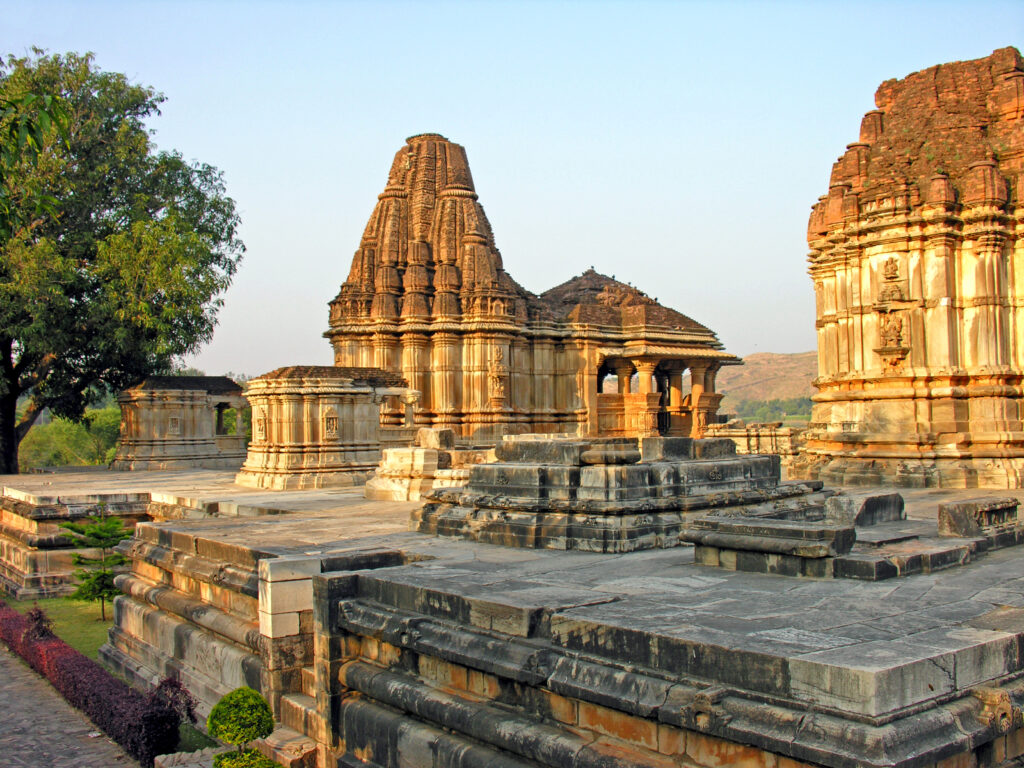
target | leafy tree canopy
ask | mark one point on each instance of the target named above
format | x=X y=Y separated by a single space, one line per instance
x=119 y=270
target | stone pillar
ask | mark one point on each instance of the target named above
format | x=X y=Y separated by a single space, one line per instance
x=445 y=385
x=697 y=372
x=645 y=369
x=675 y=389
x=623 y=370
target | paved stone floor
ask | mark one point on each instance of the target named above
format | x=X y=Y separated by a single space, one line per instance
x=38 y=728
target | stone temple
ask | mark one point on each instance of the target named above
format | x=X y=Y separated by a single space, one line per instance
x=621 y=592
x=428 y=297
x=917 y=260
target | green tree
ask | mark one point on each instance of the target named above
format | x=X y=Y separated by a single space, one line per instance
x=62 y=442
x=101 y=532
x=240 y=717
x=28 y=121
x=123 y=273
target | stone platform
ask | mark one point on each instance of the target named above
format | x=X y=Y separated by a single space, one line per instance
x=385 y=647
x=35 y=555
x=608 y=494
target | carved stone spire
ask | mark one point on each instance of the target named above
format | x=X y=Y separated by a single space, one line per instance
x=428 y=249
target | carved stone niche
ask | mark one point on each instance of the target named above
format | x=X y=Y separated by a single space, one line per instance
x=892 y=350
x=892 y=287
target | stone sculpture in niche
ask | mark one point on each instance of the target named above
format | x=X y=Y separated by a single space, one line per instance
x=497 y=378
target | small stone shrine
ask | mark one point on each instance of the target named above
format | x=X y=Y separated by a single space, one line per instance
x=178 y=422
x=916 y=254
x=428 y=298
x=317 y=426
x=606 y=494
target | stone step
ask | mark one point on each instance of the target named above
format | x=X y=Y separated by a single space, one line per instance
x=289 y=748
x=298 y=712
x=903 y=558
x=880 y=534
x=309 y=681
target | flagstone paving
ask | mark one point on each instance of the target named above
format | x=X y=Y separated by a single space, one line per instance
x=39 y=728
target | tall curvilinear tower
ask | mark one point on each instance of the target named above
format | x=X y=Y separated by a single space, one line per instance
x=917 y=258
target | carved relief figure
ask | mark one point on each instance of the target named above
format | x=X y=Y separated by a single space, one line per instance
x=260 y=425
x=891 y=330
x=497 y=377
x=330 y=423
x=891 y=290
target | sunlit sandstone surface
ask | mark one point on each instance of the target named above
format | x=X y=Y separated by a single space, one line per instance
x=918 y=268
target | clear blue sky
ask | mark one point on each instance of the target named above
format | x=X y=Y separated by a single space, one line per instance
x=676 y=145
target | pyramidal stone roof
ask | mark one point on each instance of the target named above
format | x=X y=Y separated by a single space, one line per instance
x=596 y=298
x=950 y=133
x=428 y=254
x=214 y=385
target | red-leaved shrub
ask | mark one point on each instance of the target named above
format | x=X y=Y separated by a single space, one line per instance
x=144 y=726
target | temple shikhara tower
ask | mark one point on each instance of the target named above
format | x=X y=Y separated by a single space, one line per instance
x=428 y=297
x=917 y=257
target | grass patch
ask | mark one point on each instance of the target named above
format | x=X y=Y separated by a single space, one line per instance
x=191 y=739
x=76 y=622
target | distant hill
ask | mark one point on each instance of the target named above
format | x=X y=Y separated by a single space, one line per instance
x=767 y=376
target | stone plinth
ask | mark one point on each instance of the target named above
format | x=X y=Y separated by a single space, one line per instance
x=372 y=641
x=316 y=426
x=915 y=252
x=409 y=474
x=606 y=494
x=853 y=535
x=428 y=298
x=177 y=422
x=637 y=661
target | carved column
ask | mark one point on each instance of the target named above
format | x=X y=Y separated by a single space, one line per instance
x=416 y=365
x=445 y=385
x=700 y=417
x=623 y=370
x=642 y=410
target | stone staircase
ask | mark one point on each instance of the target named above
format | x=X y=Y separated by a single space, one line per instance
x=297 y=716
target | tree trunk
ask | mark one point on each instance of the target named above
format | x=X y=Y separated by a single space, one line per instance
x=9 y=434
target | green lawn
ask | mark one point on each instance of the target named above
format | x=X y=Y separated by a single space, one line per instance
x=76 y=622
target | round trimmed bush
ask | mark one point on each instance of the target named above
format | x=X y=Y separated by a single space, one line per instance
x=239 y=717
x=250 y=758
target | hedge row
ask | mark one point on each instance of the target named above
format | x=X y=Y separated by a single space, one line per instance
x=144 y=725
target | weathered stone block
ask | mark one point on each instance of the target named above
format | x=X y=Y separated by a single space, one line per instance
x=865 y=508
x=286 y=596
x=279 y=624
x=977 y=517
x=666 y=448
x=713 y=448
x=437 y=439
x=288 y=568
